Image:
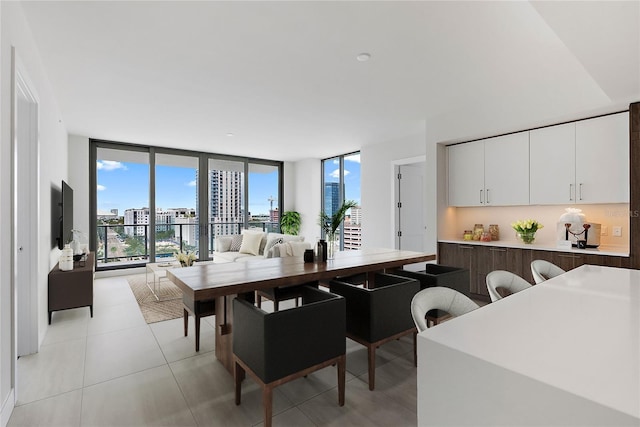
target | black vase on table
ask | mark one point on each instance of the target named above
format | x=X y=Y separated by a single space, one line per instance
x=322 y=250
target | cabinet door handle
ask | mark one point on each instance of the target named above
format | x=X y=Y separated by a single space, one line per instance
x=580 y=191
x=488 y=196
x=481 y=197
x=497 y=250
x=570 y=191
x=465 y=247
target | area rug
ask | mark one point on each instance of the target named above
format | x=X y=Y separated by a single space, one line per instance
x=153 y=310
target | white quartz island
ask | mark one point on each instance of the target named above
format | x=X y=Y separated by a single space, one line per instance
x=564 y=352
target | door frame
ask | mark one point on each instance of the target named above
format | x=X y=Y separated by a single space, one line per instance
x=24 y=289
x=395 y=196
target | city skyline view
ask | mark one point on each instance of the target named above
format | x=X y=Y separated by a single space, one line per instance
x=125 y=185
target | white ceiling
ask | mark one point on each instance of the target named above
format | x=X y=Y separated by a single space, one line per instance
x=284 y=79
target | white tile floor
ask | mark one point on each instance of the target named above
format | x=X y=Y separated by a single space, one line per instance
x=115 y=370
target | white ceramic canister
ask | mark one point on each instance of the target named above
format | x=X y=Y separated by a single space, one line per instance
x=66 y=258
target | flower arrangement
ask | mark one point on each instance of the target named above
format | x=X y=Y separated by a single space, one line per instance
x=186 y=258
x=526 y=229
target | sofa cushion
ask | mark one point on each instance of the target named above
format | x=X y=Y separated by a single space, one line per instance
x=230 y=257
x=286 y=237
x=263 y=240
x=251 y=243
x=236 y=243
x=223 y=243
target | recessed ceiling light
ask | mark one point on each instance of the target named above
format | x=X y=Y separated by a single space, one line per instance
x=362 y=57
x=229 y=134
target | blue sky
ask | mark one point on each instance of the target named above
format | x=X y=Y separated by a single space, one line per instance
x=126 y=185
x=351 y=176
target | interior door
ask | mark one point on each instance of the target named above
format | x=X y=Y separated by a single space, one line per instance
x=411 y=222
x=25 y=182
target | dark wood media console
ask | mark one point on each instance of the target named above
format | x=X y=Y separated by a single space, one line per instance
x=73 y=288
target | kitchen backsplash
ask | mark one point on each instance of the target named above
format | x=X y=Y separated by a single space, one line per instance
x=609 y=215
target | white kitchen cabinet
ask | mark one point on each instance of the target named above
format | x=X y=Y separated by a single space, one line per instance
x=506 y=170
x=581 y=162
x=466 y=174
x=553 y=166
x=492 y=172
x=602 y=159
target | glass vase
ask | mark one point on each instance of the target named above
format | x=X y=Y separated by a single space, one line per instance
x=331 y=245
x=527 y=236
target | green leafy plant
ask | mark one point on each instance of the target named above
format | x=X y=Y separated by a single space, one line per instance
x=290 y=222
x=330 y=224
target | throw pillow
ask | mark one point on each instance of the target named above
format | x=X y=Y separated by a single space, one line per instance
x=250 y=243
x=223 y=243
x=263 y=240
x=274 y=252
x=236 y=242
x=271 y=243
x=293 y=249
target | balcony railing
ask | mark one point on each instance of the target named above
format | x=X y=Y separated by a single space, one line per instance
x=127 y=245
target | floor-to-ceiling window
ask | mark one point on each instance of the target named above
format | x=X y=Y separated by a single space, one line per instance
x=150 y=203
x=340 y=182
x=122 y=205
x=264 y=211
x=176 y=203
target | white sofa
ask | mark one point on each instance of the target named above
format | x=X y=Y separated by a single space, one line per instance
x=251 y=246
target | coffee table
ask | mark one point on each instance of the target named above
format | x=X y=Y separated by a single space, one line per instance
x=156 y=271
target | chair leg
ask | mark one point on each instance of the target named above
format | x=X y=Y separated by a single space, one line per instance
x=276 y=305
x=238 y=376
x=186 y=322
x=267 y=402
x=258 y=300
x=371 y=349
x=342 y=369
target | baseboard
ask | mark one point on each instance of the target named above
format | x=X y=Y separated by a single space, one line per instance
x=7 y=408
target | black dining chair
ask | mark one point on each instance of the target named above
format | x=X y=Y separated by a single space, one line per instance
x=378 y=311
x=275 y=348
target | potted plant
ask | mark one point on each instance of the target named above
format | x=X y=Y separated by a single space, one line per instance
x=330 y=224
x=290 y=222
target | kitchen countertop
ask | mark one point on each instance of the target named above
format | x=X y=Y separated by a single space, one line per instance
x=563 y=352
x=601 y=250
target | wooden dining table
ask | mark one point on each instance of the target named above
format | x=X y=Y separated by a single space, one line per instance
x=225 y=281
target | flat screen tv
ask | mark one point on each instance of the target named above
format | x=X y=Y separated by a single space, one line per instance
x=66 y=219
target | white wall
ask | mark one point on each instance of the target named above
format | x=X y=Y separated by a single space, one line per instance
x=304 y=196
x=53 y=169
x=79 y=181
x=377 y=189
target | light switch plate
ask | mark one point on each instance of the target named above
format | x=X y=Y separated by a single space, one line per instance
x=604 y=230
x=616 y=230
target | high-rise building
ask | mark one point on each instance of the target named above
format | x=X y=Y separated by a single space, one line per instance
x=185 y=223
x=136 y=220
x=355 y=216
x=331 y=197
x=226 y=201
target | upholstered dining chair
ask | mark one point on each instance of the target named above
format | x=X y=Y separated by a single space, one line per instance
x=378 y=312
x=506 y=280
x=544 y=270
x=439 y=298
x=278 y=347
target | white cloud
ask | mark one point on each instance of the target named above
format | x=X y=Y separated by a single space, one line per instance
x=101 y=187
x=336 y=173
x=110 y=165
x=353 y=158
x=191 y=183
